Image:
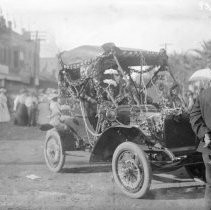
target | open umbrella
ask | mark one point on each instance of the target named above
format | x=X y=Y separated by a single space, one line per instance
x=199 y=81
x=201 y=75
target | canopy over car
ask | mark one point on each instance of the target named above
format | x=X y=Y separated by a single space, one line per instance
x=85 y=55
x=100 y=63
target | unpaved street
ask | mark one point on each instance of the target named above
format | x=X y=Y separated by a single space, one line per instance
x=81 y=185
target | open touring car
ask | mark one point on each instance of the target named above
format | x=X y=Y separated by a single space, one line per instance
x=117 y=106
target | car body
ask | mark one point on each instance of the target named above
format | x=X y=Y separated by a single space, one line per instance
x=115 y=116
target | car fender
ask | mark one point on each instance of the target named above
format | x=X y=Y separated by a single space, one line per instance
x=109 y=140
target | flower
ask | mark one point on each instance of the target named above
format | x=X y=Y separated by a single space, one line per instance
x=110 y=71
x=110 y=82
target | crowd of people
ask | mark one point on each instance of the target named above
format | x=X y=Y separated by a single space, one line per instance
x=28 y=108
x=31 y=107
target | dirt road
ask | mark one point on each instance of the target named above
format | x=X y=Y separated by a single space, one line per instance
x=81 y=185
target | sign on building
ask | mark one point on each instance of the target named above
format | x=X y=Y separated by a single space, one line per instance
x=4 y=69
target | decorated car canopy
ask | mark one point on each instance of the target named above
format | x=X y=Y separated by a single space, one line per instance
x=87 y=55
x=107 y=72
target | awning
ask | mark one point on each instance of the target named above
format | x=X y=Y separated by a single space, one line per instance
x=15 y=78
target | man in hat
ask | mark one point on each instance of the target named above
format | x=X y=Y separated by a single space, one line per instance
x=200 y=119
x=31 y=103
x=55 y=109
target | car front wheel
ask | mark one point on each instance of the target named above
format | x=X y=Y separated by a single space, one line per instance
x=53 y=151
x=131 y=170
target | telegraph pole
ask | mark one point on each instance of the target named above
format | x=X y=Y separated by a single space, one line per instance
x=37 y=37
x=165 y=45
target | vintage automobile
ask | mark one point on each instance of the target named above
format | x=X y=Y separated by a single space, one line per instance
x=116 y=105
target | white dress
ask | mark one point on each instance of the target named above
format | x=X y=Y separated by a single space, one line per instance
x=4 y=112
x=43 y=113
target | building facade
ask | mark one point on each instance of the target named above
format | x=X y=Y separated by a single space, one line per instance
x=19 y=58
x=48 y=74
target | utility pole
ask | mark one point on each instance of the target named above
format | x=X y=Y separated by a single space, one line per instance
x=37 y=37
x=165 y=45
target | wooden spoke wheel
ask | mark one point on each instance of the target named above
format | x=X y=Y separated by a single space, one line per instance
x=131 y=170
x=53 y=151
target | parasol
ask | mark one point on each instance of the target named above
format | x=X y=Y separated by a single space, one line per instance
x=201 y=75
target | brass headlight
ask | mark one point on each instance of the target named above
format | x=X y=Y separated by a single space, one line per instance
x=111 y=114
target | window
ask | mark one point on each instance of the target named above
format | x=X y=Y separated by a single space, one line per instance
x=16 y=59
x=5 y=56
x=1 y=55
x=9 y=56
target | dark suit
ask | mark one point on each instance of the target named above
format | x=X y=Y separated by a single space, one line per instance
x=200 y=119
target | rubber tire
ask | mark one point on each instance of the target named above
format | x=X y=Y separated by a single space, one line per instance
x=146 y=167
x=53 y=133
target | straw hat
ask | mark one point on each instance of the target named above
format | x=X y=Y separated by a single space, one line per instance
x=3 y=90
x=33 y=92
x=50 y=91
x=23 y=91
x=110 y=71
x=110 y=82
x=53 y=96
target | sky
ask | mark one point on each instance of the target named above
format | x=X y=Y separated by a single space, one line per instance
x=144 y=24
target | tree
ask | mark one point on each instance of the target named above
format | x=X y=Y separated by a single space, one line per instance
x=204 y=54
x=184 y=65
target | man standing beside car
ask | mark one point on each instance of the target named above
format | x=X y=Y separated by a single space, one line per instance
x=200 y=119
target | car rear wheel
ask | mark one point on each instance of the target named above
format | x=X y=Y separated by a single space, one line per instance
x=131 y=170
x=53 y=151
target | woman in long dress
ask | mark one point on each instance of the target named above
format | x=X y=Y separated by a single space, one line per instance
x=4 y=112
x=21 y=115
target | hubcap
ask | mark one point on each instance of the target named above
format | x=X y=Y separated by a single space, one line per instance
x=130 y=171
x=53 y=152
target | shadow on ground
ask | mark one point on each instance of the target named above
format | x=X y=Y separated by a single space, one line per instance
x=9 y=131
x=22 y=163
x=176 y=193
x=170 y=180
x=88 y=169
